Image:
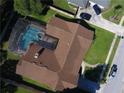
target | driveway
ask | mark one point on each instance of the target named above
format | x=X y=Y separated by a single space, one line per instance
x=99 y=21
x=103 y=3
x=105 y=24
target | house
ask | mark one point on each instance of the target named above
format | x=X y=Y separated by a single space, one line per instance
x=79 y=3
x=85 y=3
x=58 y=67
x=102 y=3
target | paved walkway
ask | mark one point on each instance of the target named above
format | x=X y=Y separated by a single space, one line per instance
x=110 y=50
x=122 y=20
x=89 y=65
x=62 y=12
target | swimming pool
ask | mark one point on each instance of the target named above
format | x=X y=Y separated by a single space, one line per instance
x=32 y=34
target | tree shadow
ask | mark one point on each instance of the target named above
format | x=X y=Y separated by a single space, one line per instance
x=91 y=79
x=47 y=2
x=74 y=90
x=94 y=74
x=8 y=88
x=10 y=27
x=36 y=21
x=3 y=55
x=45 y=10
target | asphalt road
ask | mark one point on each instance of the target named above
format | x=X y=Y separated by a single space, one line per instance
x=116 y=84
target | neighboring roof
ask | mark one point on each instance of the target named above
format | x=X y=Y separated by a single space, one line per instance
x=65 y=60
x=81 y=3
x=103 y=3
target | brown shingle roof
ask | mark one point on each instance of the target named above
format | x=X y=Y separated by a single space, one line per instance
x=65 y=60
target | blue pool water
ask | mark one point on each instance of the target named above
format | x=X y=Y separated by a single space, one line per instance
x=30 y=36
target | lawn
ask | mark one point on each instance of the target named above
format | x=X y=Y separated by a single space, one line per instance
x=44 y=18
x=100 y=47
x=123 y=23
x=106 y=73
x=114 y=50
x=36 y=83
x=63 y=4
x=23 y=90
x=116 y=9
x=10 y=55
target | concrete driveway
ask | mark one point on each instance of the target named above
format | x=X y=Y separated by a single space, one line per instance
x=99 y=21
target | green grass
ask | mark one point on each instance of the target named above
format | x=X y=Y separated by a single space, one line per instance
x=123 y=23
x=45 y=18
x=110 y=11
x=111 y=59
x=63 y=4
x=100 y=46
x=36 y=83
x=114 y=50
x=23 y=90
x=10 y=55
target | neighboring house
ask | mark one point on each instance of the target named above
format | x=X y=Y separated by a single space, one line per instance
x=102 y=3
x=79 y=3
x=57 y=67
x=85 y=3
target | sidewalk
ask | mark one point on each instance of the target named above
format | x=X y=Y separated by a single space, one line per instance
x=122 y=20
x=105 y=24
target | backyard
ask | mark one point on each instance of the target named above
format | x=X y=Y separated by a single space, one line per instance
x=100 y=47
x=64 y=5
x=23 y=90
x=36 y=83
x=42 y=12
x=44 y=18
x=10 y=55
x=115 y=11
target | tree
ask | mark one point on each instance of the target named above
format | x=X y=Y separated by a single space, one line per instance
x=21 y=7
x=27 y=7
x=40 y=6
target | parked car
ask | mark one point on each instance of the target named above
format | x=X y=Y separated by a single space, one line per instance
x=113 y=71
x=97 y=9
x=85 y=16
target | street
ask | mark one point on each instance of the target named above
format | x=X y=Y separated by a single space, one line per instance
x=116 y=84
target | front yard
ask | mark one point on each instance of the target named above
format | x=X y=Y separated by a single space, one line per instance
x=115 y=11
x=100 y=47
